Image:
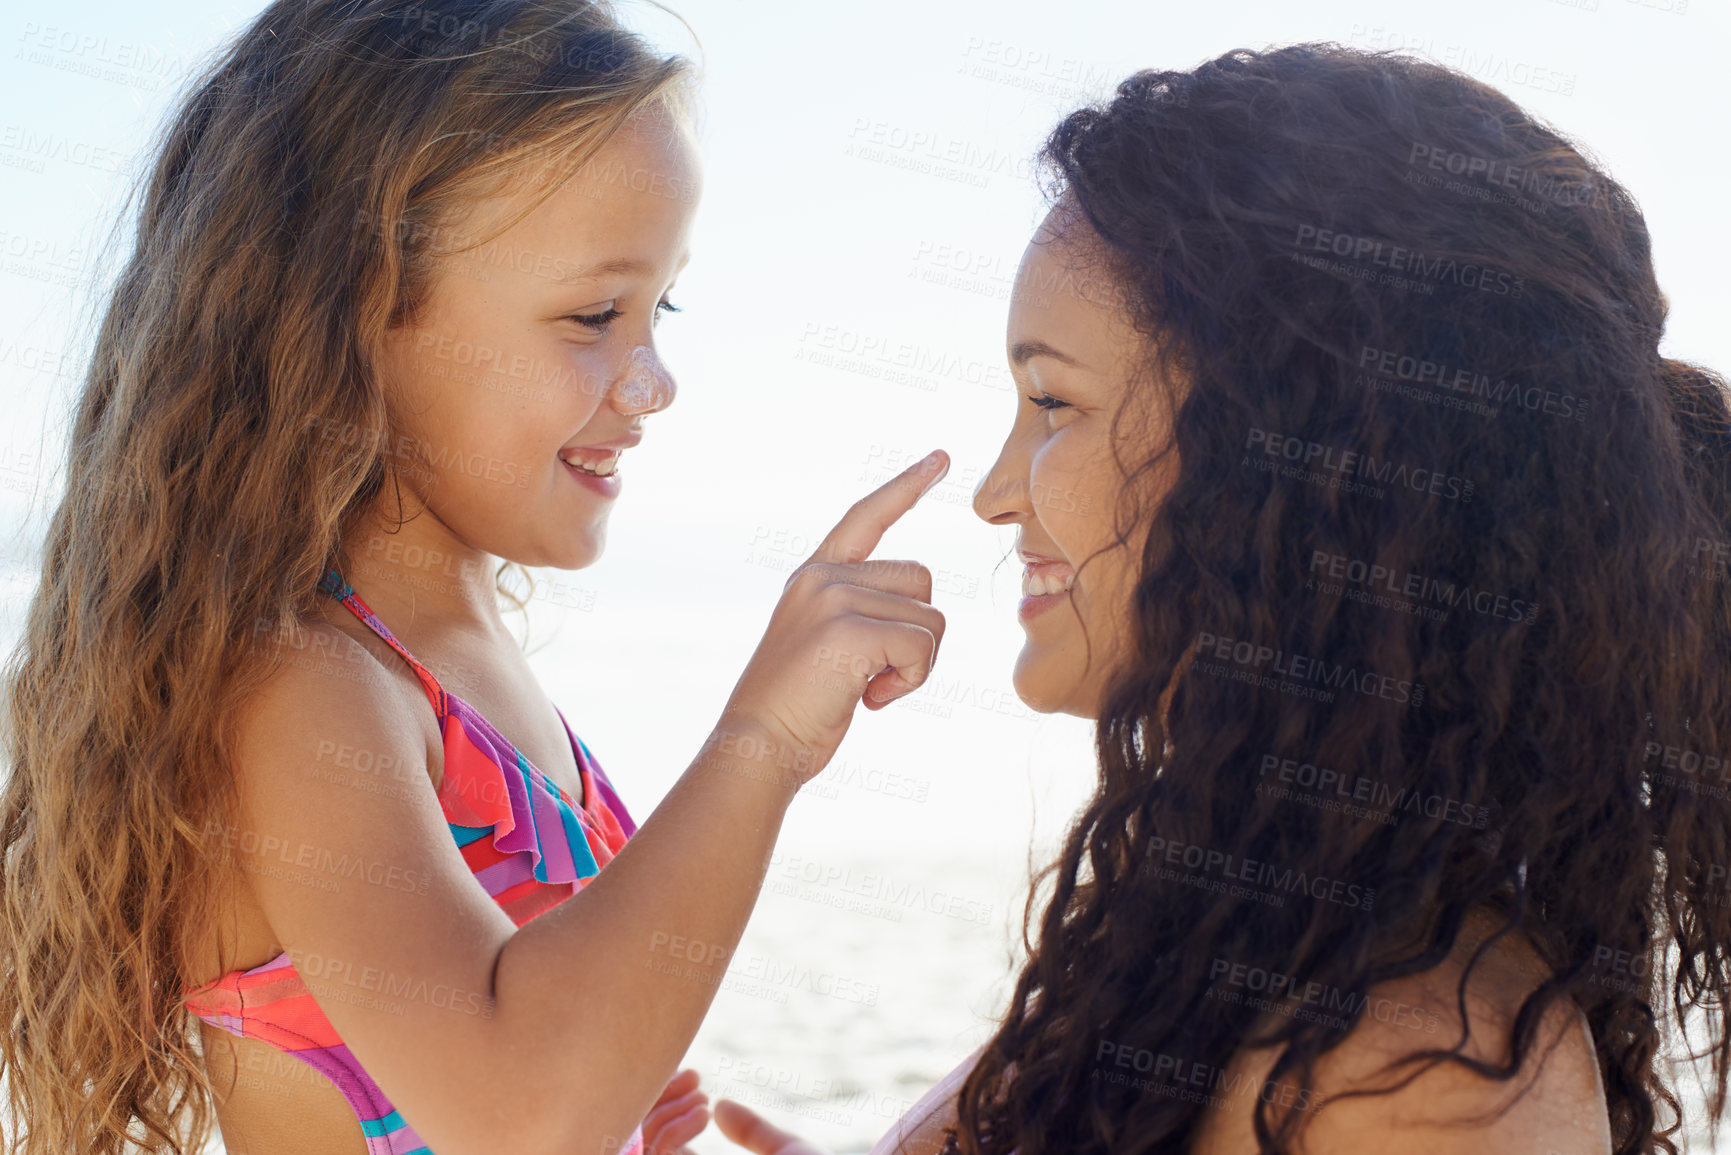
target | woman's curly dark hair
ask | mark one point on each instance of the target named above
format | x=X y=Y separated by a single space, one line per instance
x=1430 y=466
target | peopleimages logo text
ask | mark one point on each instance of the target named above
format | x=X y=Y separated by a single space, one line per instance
x=1305 y=668
x=1267 y=875
x=1387 y=254
x=1351 y=463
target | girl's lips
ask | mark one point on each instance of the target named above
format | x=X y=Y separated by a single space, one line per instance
x=591 y=457
x=604 y=486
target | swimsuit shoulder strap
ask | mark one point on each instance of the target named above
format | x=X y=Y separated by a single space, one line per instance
x=334 y=585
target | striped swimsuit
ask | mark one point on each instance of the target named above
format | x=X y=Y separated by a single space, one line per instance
x=525 y=840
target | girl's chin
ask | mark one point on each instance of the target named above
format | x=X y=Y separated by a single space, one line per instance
x=584 y=548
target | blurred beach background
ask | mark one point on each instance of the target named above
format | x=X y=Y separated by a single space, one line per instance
x=868 y=192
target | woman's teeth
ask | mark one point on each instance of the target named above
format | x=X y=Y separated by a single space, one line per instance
x=600 y=467
x=1040 y=584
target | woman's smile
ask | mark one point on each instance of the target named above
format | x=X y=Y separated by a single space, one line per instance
x=1045 y=582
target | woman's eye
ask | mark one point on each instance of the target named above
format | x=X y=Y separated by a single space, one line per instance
x=1047 y=402
x=666 y=306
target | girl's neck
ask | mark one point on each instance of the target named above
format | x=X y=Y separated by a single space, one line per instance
x=417 y=572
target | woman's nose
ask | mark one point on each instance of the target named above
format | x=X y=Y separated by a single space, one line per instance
x=643 y=385
x=1001 y=497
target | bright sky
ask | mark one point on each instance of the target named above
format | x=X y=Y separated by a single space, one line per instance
x=867 y=197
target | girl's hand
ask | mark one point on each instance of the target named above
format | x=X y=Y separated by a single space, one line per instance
x=748 y=1129
x=678 y=1117
x=845 y=627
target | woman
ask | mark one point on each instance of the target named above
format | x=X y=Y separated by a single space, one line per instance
x=1399 y=621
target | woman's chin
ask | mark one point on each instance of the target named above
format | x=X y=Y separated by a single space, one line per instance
x=1041 y=688
x=1047 y=685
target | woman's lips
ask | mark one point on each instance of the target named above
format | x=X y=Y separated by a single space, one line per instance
x=1045 y=583
x=1047 y=577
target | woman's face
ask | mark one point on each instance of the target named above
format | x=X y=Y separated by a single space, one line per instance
x=1073 y=353
x=532 y=365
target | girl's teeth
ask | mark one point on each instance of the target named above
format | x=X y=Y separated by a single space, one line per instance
x=603 y=468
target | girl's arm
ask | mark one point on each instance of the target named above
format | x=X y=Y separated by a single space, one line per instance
x=558 y=1036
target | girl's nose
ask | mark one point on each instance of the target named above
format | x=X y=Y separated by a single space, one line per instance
x=644 y=385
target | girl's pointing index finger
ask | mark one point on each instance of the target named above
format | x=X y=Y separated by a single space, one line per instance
x=861 y=527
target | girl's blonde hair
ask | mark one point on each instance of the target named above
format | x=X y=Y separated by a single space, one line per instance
x=229 y=435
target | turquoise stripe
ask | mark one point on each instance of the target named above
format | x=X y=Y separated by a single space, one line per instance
x=391 y=1122
x=332 y=583
x=467 y=834
x=580 y=855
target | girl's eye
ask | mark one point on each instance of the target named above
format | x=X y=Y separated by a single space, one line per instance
x=1046 y=402
x=597 y=321
x=600 y=321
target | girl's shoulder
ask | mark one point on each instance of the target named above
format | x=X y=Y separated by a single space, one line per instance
x=326 y=660
x=333 y=675
x=326 y=706
x=1555 y=1103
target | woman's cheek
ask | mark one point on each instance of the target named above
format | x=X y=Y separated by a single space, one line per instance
x=1056 y=492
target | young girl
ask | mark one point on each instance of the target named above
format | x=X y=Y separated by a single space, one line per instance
x=276 y=766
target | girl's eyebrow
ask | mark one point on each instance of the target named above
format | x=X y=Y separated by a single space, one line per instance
x=618 y=266
x=605 y=269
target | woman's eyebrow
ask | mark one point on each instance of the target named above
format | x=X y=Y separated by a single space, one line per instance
x=1022 y=351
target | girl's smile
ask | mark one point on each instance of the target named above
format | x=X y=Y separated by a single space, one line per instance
x=596 y=466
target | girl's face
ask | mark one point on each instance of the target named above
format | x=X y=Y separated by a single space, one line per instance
x=1072 y=352
x=528 y=372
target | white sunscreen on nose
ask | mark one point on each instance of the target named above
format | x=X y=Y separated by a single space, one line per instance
x=640 y=377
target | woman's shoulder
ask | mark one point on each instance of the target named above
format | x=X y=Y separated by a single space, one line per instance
x=1554 y=1103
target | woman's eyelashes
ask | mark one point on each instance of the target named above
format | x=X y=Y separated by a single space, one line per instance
x=600 y=321
x=1047 y=401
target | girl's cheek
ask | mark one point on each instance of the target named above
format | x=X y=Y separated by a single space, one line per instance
x=587 y=378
